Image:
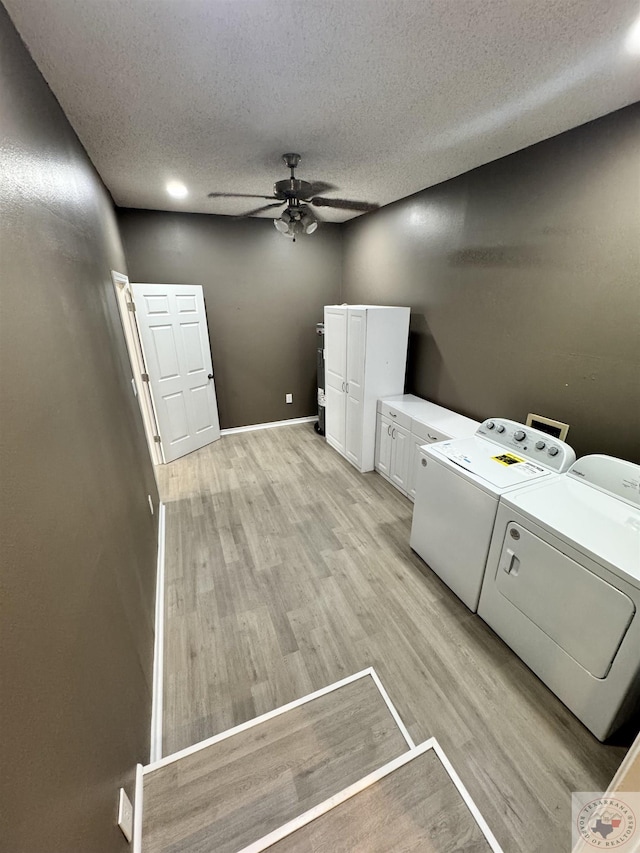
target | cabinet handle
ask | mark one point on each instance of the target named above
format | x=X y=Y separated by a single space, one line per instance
x=393 y=433
x=343 y=387
x=393 y=415
x=432 y=437
x=347 y=387
x=389 y=430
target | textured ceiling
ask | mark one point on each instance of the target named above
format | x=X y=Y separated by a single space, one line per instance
x=381 y=97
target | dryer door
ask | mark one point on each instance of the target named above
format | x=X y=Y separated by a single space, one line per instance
x=581 y=612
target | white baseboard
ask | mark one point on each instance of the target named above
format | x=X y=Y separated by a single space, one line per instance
x=289 y=422
x=155 y=751
x=137 y=811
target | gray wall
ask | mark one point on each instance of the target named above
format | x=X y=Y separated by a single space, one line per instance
x=524 y=281
x=78 y=543
x=263 y=293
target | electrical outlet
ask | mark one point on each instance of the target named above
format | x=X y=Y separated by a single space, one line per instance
x=125 y=815
x=288 y=398
x=150 y=503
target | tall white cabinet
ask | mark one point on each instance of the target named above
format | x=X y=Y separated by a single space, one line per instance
x=365 y=358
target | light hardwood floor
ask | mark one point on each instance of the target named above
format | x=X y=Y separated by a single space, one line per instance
x=287 y=570
x=416 y=807
x=234 y=792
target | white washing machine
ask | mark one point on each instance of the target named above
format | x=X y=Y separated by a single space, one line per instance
x=458 y=487
x=562 y=586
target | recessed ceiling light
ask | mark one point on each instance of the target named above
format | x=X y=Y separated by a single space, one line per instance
x=177 y=189
x=632 y=41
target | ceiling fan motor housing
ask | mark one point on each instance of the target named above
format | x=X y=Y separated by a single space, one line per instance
x=292 y=188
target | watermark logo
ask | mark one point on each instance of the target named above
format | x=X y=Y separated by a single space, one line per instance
x=605 y=821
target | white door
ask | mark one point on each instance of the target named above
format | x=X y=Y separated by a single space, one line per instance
x=335 y=370
x=356 y=344
x=383 y=445
x=173 y=329
x=400 y=459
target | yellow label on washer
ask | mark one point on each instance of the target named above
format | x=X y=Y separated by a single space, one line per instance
x=507 y=459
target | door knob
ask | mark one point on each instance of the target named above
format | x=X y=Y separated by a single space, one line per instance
x=210 y=376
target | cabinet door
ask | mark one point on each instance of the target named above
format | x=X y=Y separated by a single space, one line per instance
x=400 y=456
x=353 y=430
x=356 y=347
x=414 y=465
x=334 y=424
x=335 y=347
x=383 y=445
x=356 y=344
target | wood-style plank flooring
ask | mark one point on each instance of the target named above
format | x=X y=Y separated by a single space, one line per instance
x=231 y=793
x=416 y=807
x=287 y=570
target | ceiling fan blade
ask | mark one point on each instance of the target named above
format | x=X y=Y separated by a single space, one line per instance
x=260 y=209
x=343 y=204
x=319 y=187
x=239 y=195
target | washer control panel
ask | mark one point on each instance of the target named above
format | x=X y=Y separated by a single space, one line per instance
x=529 y=443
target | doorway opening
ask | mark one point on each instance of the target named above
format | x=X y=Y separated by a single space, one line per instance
x=124 y=298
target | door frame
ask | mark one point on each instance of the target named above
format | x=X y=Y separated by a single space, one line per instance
x=124 y=298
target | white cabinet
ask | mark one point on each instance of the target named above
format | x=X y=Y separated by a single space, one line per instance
x=399 y=471
x=384 y=446
x=404 y=424
x=393 y=446
x=365 y=352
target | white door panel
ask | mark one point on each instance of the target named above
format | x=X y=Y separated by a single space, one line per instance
x=335 y=417
x=175 y=340
x=356 y=347
x=400 y=460
x=335 y=342
x=353 y=437
x=383 y=445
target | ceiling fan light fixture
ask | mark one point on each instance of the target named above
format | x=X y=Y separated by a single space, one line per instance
x=308 y=221
x=177 y=189
x=292 y=223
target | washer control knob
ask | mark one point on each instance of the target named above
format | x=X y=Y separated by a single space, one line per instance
x=553 y=450
x=540 y=445
x=501 y=428
x=490 y=425
x=519 y=435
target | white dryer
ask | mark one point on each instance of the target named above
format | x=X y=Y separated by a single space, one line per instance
x=562 y=586
x=459 y=484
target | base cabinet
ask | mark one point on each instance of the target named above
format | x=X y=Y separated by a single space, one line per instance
x=403 y=425
x=393 y=448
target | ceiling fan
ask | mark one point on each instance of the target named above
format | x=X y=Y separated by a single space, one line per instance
x=298 y=218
